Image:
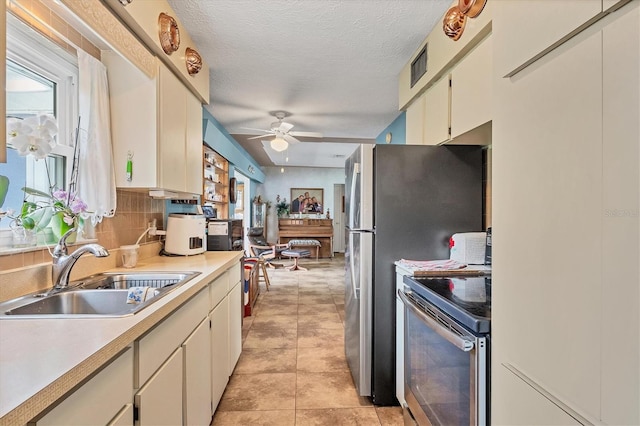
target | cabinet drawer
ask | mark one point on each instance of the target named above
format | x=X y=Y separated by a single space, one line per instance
x=98 y=400
x=218 y=290
x=156 y=346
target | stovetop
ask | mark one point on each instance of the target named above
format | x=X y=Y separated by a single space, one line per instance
x=465 y=299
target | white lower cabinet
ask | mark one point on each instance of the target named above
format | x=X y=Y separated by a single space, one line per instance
x=219 y=351
x=197 y=373
x=521 y=404
x=99 y=401
x=159 y=401
x=175 y=374
x=124 y=417
x=235 y=326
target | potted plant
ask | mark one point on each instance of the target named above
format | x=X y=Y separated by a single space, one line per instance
x=57 y=209
x=282 y=207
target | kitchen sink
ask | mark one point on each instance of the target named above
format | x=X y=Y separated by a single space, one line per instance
x=101 y=295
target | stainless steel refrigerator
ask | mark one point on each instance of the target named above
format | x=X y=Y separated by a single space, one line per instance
x=402 y=201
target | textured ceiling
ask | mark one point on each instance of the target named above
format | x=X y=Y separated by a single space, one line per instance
x=333 y=65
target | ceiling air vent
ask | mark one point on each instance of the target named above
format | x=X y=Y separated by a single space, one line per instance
x=419 y=65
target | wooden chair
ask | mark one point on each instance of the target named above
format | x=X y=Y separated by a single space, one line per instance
x=260 y=248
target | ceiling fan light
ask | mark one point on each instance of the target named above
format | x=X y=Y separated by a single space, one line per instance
x=279 y=144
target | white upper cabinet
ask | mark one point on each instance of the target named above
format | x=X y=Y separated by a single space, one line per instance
x=471 y=90
x=436 y=116
x=527 y=28
x=415 y=122
x=172 y=120
x=442 y=52
x=460 y=101
x=159 y=122
x=142 y=17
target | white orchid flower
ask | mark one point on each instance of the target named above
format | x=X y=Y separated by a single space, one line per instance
x=18 y=131
x=44 y=125
x=33 y=135
x=31 y=145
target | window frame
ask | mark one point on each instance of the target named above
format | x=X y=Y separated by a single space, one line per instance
x=35 y=51
x=39 y=54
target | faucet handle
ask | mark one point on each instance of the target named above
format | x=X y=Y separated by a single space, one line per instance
x=61 y=248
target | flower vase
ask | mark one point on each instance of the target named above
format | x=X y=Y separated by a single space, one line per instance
x=23 y=237
x=60 y=227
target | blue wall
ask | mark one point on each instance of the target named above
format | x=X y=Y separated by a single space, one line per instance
x=221 y=141
x=398 y=130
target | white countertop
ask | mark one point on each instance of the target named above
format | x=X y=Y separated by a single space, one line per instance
x=42 y=359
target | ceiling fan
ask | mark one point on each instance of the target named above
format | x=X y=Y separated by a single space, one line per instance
x=282 y=132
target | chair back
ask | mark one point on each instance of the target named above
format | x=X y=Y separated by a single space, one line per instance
x=256 y=238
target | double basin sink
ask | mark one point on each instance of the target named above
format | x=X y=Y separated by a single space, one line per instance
x=101 y=295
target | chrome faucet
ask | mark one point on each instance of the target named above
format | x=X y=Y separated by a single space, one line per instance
x=63 y=261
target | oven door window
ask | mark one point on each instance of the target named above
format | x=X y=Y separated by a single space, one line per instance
x=439 y=375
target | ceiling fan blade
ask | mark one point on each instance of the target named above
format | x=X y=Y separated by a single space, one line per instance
x=257 y=137
x=306 y=134
x=285 y=127
x=257 y=130
x=290 y=139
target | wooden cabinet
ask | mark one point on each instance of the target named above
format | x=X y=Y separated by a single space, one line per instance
x=159 y=401
x=104 y=399
x=216 y=182
x=158 y=122
x=565 y=154
x=254 y=288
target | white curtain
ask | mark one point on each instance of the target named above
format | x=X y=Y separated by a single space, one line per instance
x=96 y=178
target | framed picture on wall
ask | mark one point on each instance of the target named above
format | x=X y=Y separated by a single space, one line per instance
x=307 y=200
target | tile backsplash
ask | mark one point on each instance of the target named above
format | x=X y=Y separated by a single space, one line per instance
x=133 y=213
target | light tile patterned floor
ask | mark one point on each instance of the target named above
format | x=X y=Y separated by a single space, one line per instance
x=292 y=370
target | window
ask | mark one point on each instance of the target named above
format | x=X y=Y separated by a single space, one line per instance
x=41 y=78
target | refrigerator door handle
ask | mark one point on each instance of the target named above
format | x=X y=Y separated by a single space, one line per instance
x=352 y=267
x=354 y=175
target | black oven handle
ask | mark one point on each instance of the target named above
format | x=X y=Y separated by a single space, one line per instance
x=454 y=339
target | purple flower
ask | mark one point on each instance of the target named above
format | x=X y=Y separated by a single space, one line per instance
x=60 y=194
x=78 y=206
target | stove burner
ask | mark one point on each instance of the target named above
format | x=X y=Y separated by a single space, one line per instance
x=467 y=300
